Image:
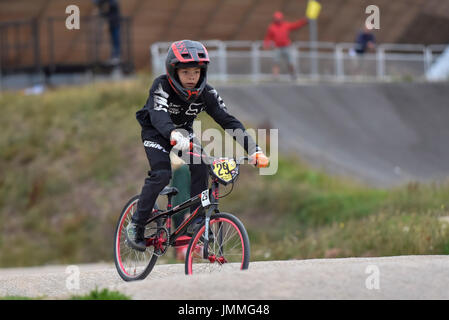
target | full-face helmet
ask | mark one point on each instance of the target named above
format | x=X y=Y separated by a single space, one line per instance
x=184 y=54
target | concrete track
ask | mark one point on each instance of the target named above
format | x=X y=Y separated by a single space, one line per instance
x=382 y=134
x=403 y=277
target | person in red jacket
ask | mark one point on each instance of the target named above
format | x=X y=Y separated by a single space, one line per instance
x=277 y=35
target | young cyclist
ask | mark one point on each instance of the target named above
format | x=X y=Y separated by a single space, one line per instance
x=174 y=102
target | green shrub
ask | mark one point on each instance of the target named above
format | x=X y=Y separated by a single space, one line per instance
x=104 y=294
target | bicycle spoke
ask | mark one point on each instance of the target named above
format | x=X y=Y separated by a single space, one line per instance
x=225 y=249
x=224 y=243
x=132 y=262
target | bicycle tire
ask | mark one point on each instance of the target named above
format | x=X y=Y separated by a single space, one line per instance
x=119 y=246
x=242 y=239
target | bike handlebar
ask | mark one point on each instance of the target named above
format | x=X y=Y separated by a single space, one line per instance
x=173 y=143
x=208 y=157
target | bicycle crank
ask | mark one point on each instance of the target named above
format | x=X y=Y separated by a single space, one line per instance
x=159 y=240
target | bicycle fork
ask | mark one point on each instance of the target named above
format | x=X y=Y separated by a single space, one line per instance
x=206 y=233
x=212 y=208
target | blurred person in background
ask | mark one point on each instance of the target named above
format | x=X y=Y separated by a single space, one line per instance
x=278 y=36
x=110 y=10
x=364 y=42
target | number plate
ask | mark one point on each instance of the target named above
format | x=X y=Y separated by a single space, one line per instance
x=205 y=201
x=224 y=169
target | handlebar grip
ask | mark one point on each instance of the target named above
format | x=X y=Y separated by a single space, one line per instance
x=173 y=143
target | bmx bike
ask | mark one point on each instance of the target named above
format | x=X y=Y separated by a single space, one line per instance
x=219 y=243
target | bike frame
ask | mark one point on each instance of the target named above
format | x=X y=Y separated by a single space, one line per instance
x=211 y=205
x=211 y=208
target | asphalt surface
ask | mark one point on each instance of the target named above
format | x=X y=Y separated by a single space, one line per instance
x=382 y=134
x=402 y=277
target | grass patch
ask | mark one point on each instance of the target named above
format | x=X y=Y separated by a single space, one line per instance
x=104 y=294
x=18 y=298
x=338 y=219
x=95 y=294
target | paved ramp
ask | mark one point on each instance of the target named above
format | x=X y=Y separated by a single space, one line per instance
x=383 y=134
x=403 y=277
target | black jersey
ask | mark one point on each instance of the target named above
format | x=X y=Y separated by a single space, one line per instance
x=165 y=111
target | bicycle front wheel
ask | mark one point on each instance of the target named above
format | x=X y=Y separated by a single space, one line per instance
x=132 y=264
x=228 y=247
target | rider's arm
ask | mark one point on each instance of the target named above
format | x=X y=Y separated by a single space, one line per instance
x=297 y=24
x=216 y=108
x=157 y=106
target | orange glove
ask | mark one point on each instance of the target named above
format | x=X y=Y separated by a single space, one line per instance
x=259 y=159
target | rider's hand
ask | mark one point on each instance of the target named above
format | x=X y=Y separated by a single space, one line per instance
x=178 y=141
x=259 y=159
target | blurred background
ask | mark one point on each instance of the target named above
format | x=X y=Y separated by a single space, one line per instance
x=362 y=122
x=36 y=46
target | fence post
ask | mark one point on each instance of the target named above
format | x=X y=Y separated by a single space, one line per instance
x=295 y=57
x=255 y=60
x=313 y=50
x=154 y=48
x=380 y=57
x=428 y=57
x=339 y=63
x=222 y=60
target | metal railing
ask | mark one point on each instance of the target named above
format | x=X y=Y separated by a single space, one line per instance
x=19 y=46
x=32 y=51
x=333 y=61
x=91 y=44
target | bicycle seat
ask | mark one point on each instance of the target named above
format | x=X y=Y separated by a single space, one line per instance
x=169 y=191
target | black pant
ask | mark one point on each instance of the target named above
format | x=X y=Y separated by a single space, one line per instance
x=157 y=149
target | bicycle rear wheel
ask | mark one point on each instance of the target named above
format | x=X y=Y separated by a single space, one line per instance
x=228 y=247
x=132 y=264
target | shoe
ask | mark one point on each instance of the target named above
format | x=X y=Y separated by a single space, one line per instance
x=135 y=237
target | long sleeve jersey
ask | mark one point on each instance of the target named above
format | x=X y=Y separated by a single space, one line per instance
x=165 y=111
x=279 y=33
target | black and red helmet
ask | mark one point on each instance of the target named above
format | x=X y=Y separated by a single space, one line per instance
x=187 y=53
